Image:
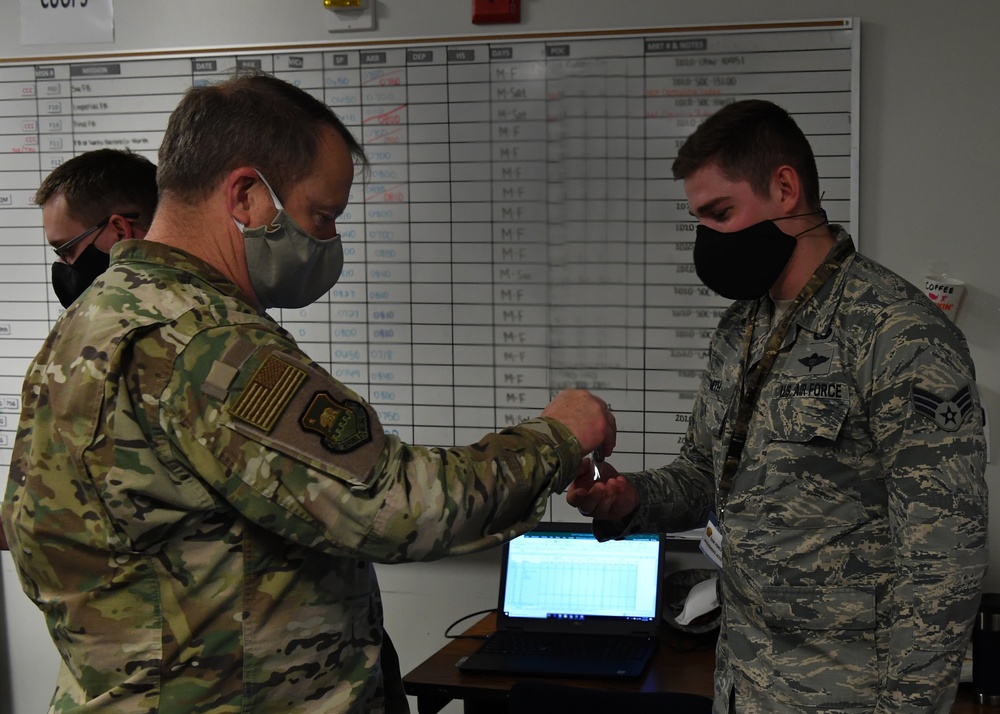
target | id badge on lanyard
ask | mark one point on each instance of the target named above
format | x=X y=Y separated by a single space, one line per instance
x=711 y=541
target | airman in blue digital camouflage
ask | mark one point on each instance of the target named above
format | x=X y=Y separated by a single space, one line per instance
x=836 y=440
x=195 y=504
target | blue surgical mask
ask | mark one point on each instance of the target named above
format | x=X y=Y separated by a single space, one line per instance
x=288 y=267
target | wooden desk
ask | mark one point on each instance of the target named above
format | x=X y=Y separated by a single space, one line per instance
x=437 y=680
x=681 y=664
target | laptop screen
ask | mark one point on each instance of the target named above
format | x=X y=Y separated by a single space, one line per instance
x=561 y=572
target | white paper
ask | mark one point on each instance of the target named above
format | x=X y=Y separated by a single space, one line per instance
x=62 y=22
x=702 y=598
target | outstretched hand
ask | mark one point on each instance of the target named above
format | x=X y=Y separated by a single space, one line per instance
x=609 y=499
x=588 y=417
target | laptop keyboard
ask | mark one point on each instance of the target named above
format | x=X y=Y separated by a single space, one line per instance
x=589 y=647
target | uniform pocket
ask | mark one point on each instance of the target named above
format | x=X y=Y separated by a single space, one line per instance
x=811 y=480
x=298 y=410
x=820 y=646
x=807 y=411
x=818 y=608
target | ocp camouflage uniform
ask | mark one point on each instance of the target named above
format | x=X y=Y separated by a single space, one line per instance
x=195 y=505
x=855 y=531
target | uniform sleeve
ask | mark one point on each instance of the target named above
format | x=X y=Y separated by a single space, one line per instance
x=298 y=453
x=927 y=425
x=680 y=495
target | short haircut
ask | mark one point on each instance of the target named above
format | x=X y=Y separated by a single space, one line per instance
x=749 y=141
x=251 y=119
x=100 y=183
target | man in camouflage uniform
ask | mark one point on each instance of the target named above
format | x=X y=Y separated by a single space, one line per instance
x=88 y=204
x=854 y=519
x=194 y=504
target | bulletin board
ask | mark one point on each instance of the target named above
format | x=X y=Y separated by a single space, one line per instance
x=519 y=230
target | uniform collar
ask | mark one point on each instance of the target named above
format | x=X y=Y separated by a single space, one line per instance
x=160 y=255
x=817 y=314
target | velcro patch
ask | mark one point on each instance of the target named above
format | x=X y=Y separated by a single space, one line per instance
x=814 y=390
x=949 y=414
x=268 y=392
x=817 y=362
x=342 y=426
x=813 y=361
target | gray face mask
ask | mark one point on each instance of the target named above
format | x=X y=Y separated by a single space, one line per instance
x=287 y=266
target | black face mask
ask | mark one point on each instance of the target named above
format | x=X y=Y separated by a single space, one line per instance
x=744 y=264
x=69 y=281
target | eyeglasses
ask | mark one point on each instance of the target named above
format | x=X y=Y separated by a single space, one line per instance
x=63 y=250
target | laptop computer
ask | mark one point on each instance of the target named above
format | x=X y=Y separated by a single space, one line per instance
x=572 y=606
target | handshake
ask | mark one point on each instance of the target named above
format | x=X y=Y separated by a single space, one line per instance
x=598 y=491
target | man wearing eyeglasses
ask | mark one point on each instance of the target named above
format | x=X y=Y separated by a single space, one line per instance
x=88 y=204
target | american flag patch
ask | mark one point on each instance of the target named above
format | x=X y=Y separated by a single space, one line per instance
x=267 y=394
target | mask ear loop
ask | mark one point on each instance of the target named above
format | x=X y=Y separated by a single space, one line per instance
x=821 y=211
x=274 y=199
x=272 y=226
x=274 y=196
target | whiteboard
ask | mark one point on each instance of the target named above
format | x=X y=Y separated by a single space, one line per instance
x=519 y=230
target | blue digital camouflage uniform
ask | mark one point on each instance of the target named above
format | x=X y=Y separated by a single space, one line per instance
x=855 y=531
x=195 y=506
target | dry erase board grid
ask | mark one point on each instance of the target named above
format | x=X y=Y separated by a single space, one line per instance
x=519 y=229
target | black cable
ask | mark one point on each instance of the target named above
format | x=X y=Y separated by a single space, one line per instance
x=466 y=617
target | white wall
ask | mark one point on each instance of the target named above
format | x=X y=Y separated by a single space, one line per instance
x=930 y=114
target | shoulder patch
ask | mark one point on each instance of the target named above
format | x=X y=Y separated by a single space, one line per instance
x=268 y=392
x=950 y=413
x=342 y=426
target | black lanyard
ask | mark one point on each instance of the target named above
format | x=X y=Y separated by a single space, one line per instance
x=753 y=379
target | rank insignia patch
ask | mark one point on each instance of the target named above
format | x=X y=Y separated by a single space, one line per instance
x=342 y=426
x=268 y=392
x=949 y=414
